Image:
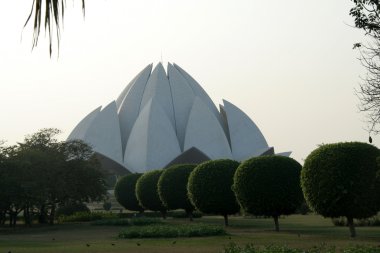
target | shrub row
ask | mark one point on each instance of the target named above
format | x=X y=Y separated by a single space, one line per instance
x=372 y=221
x=127 y=222
x=171 y=231
x=250 y=248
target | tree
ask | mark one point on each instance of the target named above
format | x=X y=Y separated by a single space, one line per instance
x=125 y=192
x=269 y=186
x=42 y=173
x=343 y=179
x=209 y=188
x=367 y=17
x=146 y=192
x=51 y=17
x=172 y=188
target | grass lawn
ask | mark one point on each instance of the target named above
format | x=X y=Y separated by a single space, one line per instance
x=297 y=231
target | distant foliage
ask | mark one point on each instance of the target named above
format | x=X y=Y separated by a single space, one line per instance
x=269 y=186
x=172 y=187
x=342 y=179
x=71 y=208
x=209 y=187
x=125 y=192
x=172 y=231
x=146 y=191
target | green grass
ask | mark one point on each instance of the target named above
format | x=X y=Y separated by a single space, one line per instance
x=297 y=231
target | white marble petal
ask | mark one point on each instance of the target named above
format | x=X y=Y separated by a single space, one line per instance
x=158 y=88
x=246 y=138
x=153 y=142
x=79 y=131
x=287 y=154
x=122 y=95
x=199 y=91
x=130 y=106
x=205 y=133
x=183 y=98
x=104 y=134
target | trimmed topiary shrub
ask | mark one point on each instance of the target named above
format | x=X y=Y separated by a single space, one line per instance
x=209 y=188
x=125 y=192
x=342 y=179
x=146 y=192
x=172 y=188
x=269 y=186
x=71 y=208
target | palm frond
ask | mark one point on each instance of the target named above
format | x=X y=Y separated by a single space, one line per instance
x=52 y=19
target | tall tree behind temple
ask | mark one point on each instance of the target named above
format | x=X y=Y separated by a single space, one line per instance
x=367 y=18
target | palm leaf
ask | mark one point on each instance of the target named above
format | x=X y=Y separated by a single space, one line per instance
x=52 y=20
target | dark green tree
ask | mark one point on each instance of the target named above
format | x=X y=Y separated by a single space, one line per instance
x=125 y=192
x=172 y=188
x=146 y=192
x=42 y=173
x=269 y=186
x=343 y=179
x=209 y=188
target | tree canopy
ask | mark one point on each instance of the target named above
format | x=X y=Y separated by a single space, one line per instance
x=269 y=186
x=42 y=173
x=172 y=187
x=343 y=179
x=209 y=187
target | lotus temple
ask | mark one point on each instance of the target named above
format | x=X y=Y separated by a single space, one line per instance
x=164 y=118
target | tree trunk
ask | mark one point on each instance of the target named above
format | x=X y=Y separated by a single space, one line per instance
x=52 y=215
x=27 y=216
x=225 y=216
x=163 y=213
x=276 y=225
x=42 y=215
x=190 y=215
x=350 y=224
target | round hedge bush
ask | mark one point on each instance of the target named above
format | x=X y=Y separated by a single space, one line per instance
x=209 y=187
x=125 y=192
x=172 y=187
x=342 y=179
x=269 y=186
x=146 y=191
x=71 y=208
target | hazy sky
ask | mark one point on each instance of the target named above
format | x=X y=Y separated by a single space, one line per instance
x=288 y=64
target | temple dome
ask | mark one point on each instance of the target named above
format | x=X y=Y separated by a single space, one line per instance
x=161 y=118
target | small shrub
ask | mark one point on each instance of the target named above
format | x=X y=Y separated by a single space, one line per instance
x=372 y=221
x=170 y=231
x=127 y=222
x=183 y=215
x=86 y=216
x=71 y=208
